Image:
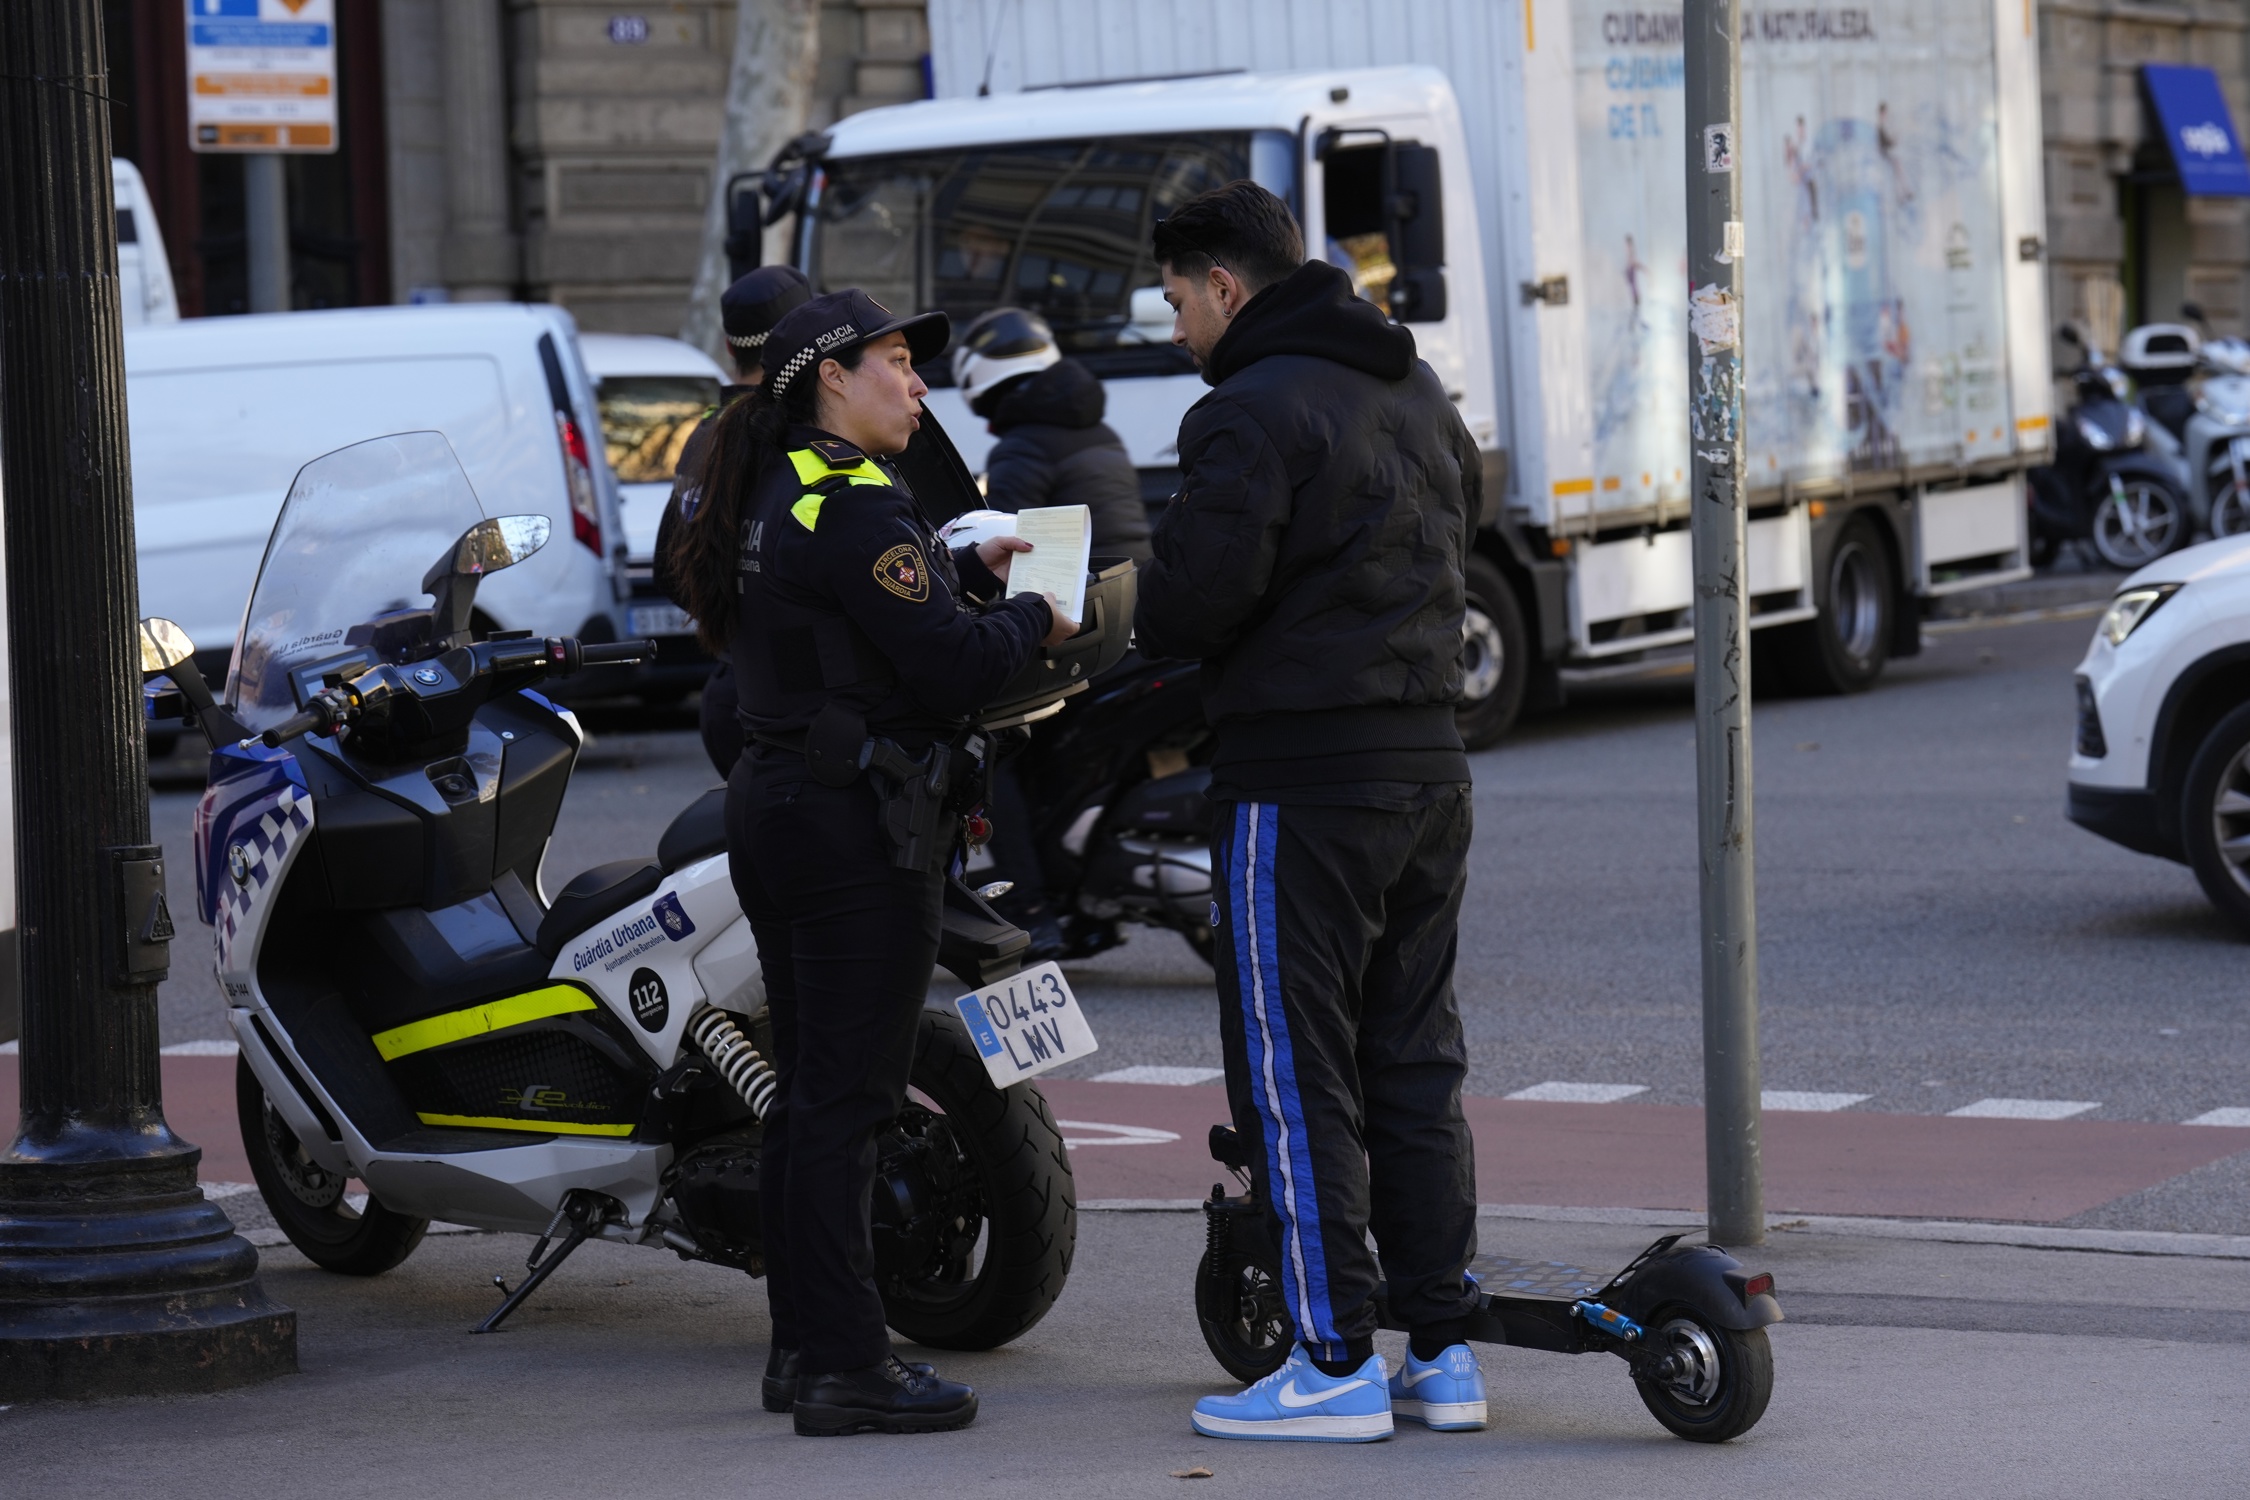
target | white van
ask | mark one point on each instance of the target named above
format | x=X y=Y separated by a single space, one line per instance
x=223 y=412
x=653 y=392
x=144 y=275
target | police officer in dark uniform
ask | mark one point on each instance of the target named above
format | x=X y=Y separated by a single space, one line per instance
x=748 y=309
x=861 y=646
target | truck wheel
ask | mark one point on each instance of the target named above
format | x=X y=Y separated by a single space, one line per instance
x=1842 y=649
x=2215 y=816
x=1495 y=657
x=1705 y=1383
x=308 y=1202
x=975 y=1214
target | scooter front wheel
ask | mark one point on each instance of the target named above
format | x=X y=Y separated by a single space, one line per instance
x=308 y=1202
x=2137 y=522
x=1705 y=1383
x=2230 y=510
x=1238 y=1305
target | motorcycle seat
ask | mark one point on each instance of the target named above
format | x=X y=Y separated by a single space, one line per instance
x=594 y=894
x=699 y=832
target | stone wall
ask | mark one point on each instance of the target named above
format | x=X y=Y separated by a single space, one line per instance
x=594 y=127
x=2103 y=227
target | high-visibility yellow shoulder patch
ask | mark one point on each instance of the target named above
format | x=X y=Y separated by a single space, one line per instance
x=813 y=468
x=807 y=511
x=494 y=1015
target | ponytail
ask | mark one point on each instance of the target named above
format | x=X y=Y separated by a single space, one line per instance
x=747 y=438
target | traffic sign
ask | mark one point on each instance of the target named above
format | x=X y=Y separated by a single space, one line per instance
x=261 y=75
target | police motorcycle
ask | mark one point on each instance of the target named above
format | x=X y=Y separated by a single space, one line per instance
x=2196 y=390
x=1689 y=1321
x=2104 y=487
x=418 y=1015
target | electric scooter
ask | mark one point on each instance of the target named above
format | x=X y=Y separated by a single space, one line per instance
x=1688 y=1320
x=416 y=1012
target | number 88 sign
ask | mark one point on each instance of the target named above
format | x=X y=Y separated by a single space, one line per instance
x=1026 y=1025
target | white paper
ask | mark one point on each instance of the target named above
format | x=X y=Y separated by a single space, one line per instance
x=1062 y=542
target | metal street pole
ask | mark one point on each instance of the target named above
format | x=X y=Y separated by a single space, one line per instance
x=265 y=224
x=1717 y=480
x=117 y=1276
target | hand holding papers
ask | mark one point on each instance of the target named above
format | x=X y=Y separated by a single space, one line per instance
x=1062 y=540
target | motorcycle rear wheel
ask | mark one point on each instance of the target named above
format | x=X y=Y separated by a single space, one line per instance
x=975 y=1197
x=2230 y=509
x=308 y=1202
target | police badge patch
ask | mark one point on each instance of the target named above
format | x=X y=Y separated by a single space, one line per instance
x=902 y=571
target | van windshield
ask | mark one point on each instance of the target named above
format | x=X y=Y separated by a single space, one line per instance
x=1060 y=227
x=646 y=420
x=359 y=530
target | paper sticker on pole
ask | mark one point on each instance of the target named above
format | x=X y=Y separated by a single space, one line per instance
x=261 y=75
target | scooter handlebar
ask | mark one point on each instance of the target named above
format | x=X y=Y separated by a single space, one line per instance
x=618 y=653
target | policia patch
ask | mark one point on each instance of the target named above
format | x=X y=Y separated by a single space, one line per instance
x=902 y=571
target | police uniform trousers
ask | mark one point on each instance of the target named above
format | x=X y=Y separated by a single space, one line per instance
x=847 y=941
x=1344 y=1054
x=718 y=721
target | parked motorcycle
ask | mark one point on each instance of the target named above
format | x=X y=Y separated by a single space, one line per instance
x=415 y=1013
x=2104 y=487
x=2196 y=390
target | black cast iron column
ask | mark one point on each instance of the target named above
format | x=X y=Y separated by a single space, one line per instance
x=117 y=1276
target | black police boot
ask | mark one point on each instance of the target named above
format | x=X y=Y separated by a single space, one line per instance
x=889 y=1397
x=780 y=1387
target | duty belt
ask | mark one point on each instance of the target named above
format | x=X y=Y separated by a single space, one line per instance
x=912 y=790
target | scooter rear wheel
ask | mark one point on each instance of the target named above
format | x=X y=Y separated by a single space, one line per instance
x=1717 y=1381
x=1238 y=1306
x=2137 y=523
x=308 y=1202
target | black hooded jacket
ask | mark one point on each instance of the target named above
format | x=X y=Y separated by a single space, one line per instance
x=1313 y=558
x=1055 y=450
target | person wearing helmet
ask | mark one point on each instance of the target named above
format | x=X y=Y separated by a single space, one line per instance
x=748 y=310
x=1054 y=448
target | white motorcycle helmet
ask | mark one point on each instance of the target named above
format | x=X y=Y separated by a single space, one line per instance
x=999 y=346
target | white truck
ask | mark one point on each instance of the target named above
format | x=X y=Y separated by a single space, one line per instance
x=1506 y=177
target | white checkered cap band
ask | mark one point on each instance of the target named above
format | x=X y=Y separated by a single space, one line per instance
x=795 y=367
x=749 y=340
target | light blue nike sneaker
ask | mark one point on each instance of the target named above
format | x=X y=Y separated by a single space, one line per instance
x=1297 y=1403
x=1446 y=1395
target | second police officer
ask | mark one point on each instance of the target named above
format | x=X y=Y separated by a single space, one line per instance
x=856 y=639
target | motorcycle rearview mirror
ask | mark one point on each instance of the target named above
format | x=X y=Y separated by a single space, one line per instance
x=2193 y=312
x=164 y=646
x=487 y=547
x=2069 y=334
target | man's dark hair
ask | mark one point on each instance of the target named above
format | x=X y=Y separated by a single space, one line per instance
x=1240 y=226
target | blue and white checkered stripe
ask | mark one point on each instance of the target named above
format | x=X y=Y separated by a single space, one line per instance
x=1273 y=1075
x=267 y=843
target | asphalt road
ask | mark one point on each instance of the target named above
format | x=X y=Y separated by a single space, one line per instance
x=1932 y=931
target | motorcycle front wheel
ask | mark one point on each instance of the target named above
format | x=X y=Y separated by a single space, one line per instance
x=975 y=1213
x=2230 y=509
x=308 y=1202
x=2137 y=522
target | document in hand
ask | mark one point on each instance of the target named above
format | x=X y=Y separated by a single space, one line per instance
x=1062 y=543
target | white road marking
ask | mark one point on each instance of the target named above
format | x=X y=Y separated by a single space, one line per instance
x=202 y=1049
x=1115 y=1135
x=227 y=1189
x=1801 y=1101
x=2231 y=1115
x=1579 y=1093
x=1156 y=1073
x=2022 y=1109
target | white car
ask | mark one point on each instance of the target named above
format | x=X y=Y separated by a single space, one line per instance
x=2162 y=758
x=144 y=273
x=652 y=392
x=223 y=412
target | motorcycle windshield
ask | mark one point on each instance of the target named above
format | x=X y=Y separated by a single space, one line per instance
x=359 y=530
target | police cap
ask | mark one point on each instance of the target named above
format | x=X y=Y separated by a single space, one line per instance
x=830 y=324
x=750 y=308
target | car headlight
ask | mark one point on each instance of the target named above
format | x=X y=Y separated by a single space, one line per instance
x=2129 y=609
x=2136 y=427
x=2097 y=436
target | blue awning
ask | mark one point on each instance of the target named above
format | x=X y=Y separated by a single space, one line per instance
x=2198 y=130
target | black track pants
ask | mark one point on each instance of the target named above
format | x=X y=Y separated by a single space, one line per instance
x=1337 y=928
x=847 y=941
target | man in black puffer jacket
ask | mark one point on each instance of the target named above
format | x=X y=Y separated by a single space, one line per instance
x=1054 y=448
x=1313 y=560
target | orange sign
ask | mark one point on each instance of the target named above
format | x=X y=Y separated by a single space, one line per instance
x=261 y=75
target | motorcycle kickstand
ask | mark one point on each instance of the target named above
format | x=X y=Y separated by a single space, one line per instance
x=582 y=1210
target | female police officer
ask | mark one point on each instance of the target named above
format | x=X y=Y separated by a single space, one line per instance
x=852 y=643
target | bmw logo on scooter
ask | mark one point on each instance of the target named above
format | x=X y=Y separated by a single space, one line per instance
x=652 y=1007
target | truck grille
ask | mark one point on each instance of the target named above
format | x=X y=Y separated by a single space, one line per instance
x=2091 y=744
